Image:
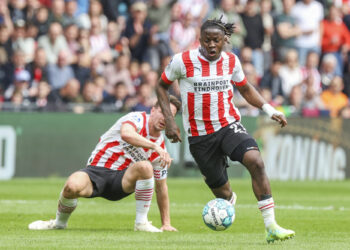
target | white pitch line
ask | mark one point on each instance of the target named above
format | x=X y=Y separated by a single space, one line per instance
x=283 y=207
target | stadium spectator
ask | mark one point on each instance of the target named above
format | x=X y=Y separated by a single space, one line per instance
x=295 y=99
x=308 y=15
x=71 y=33
x=138 y=157
x=272 y=81
x=20 y=40
x=159 y=14
x=19 y=92
x=98 y=41
x=290 y=72
x=53 y=42
x=118 y=100
x=335 y=37
x=82 y=67
x=246 y=55
x=346 y=78
x=38 y=68
x=138 y=31
x=199 y=9
x=95 y=11
x=17 y=10
x=41 y=99
x=115 y=9
x=56 y=14
x=328 y=70
x=119 y=71
x=92 y=94
x=265 y=7
x=32 y=8
x=253 y=23
x=116 y=44
x=227 y=9
x=70 y=13
x=214 y=137
x=17 y=64
x=41 y=21
x=144 y=99
x=311 y=101
x=286 y=30
x=5 y=42
x=61 y=72
x=68 y=94
x=182 y=33
x=333 y=97
x=310 y=72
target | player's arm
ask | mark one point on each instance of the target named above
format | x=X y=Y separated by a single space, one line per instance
x=172 y=131
x=163 y=205
x=129 y=134
x=254 y=98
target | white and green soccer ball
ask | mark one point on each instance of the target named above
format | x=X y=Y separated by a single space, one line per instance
x=218 y=214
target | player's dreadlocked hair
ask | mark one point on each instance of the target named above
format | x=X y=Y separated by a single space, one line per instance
x=227 y=28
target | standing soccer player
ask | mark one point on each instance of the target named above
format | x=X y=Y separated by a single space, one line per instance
x=127 y=159
x=212 y=122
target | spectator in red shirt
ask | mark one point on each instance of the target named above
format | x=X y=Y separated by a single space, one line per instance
x=335 y=37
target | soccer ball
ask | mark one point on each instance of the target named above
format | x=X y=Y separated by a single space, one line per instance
x=218 y=214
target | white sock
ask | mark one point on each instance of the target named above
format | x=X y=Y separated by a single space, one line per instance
x=143 y=196
x=267 y=211
x=65 y=209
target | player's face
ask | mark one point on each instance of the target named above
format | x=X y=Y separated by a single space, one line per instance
x=158 y=117
x=212 y=40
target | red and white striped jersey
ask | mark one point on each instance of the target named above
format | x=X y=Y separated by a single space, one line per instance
x=206 y=90
x=114 y=153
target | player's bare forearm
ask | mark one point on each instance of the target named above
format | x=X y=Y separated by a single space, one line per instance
x=129 y=135
x=163 y=99
x=163 y=203
x=172 y=131
x=251 y=95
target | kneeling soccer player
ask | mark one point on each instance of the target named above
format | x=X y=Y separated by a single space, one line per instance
x=127 y=159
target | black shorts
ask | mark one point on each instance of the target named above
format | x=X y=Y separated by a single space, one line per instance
x=106 y=183
x=211 y=151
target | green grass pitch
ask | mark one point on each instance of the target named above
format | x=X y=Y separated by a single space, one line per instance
x=319 y=212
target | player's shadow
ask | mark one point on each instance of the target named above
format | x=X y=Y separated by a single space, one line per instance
x=102 y=230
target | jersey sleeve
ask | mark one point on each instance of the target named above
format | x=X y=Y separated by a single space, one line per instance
x=134 y=119
x=238 y=76
x=173 y=70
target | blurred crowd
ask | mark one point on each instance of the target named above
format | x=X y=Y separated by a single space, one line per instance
x=107 y=55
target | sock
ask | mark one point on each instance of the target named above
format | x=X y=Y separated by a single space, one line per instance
x=65 y=209
x=267 y=211
x=233 y=198
x=143 y=196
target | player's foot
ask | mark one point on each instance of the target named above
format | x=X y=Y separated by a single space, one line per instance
x=45 y=225
x=146 y=227
x=275 y=232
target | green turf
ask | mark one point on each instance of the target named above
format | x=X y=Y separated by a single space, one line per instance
x=319 y=212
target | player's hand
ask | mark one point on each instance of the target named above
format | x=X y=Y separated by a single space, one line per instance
x=168 y=228
x=172 y=132
x=280 y=118
x=165 y=159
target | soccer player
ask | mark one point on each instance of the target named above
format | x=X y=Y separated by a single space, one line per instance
x=127 y=159
x=206 y=77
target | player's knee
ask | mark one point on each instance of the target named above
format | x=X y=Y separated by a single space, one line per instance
x=71 y=188
x=144 y=169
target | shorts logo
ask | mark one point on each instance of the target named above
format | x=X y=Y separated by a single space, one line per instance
x=238 y=128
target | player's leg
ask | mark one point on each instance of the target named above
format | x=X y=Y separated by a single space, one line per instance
x=261 y=186
x=139 y=178
x=212 y=163
x=77 y=185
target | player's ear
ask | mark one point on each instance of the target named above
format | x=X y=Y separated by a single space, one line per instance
x=226 y=39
